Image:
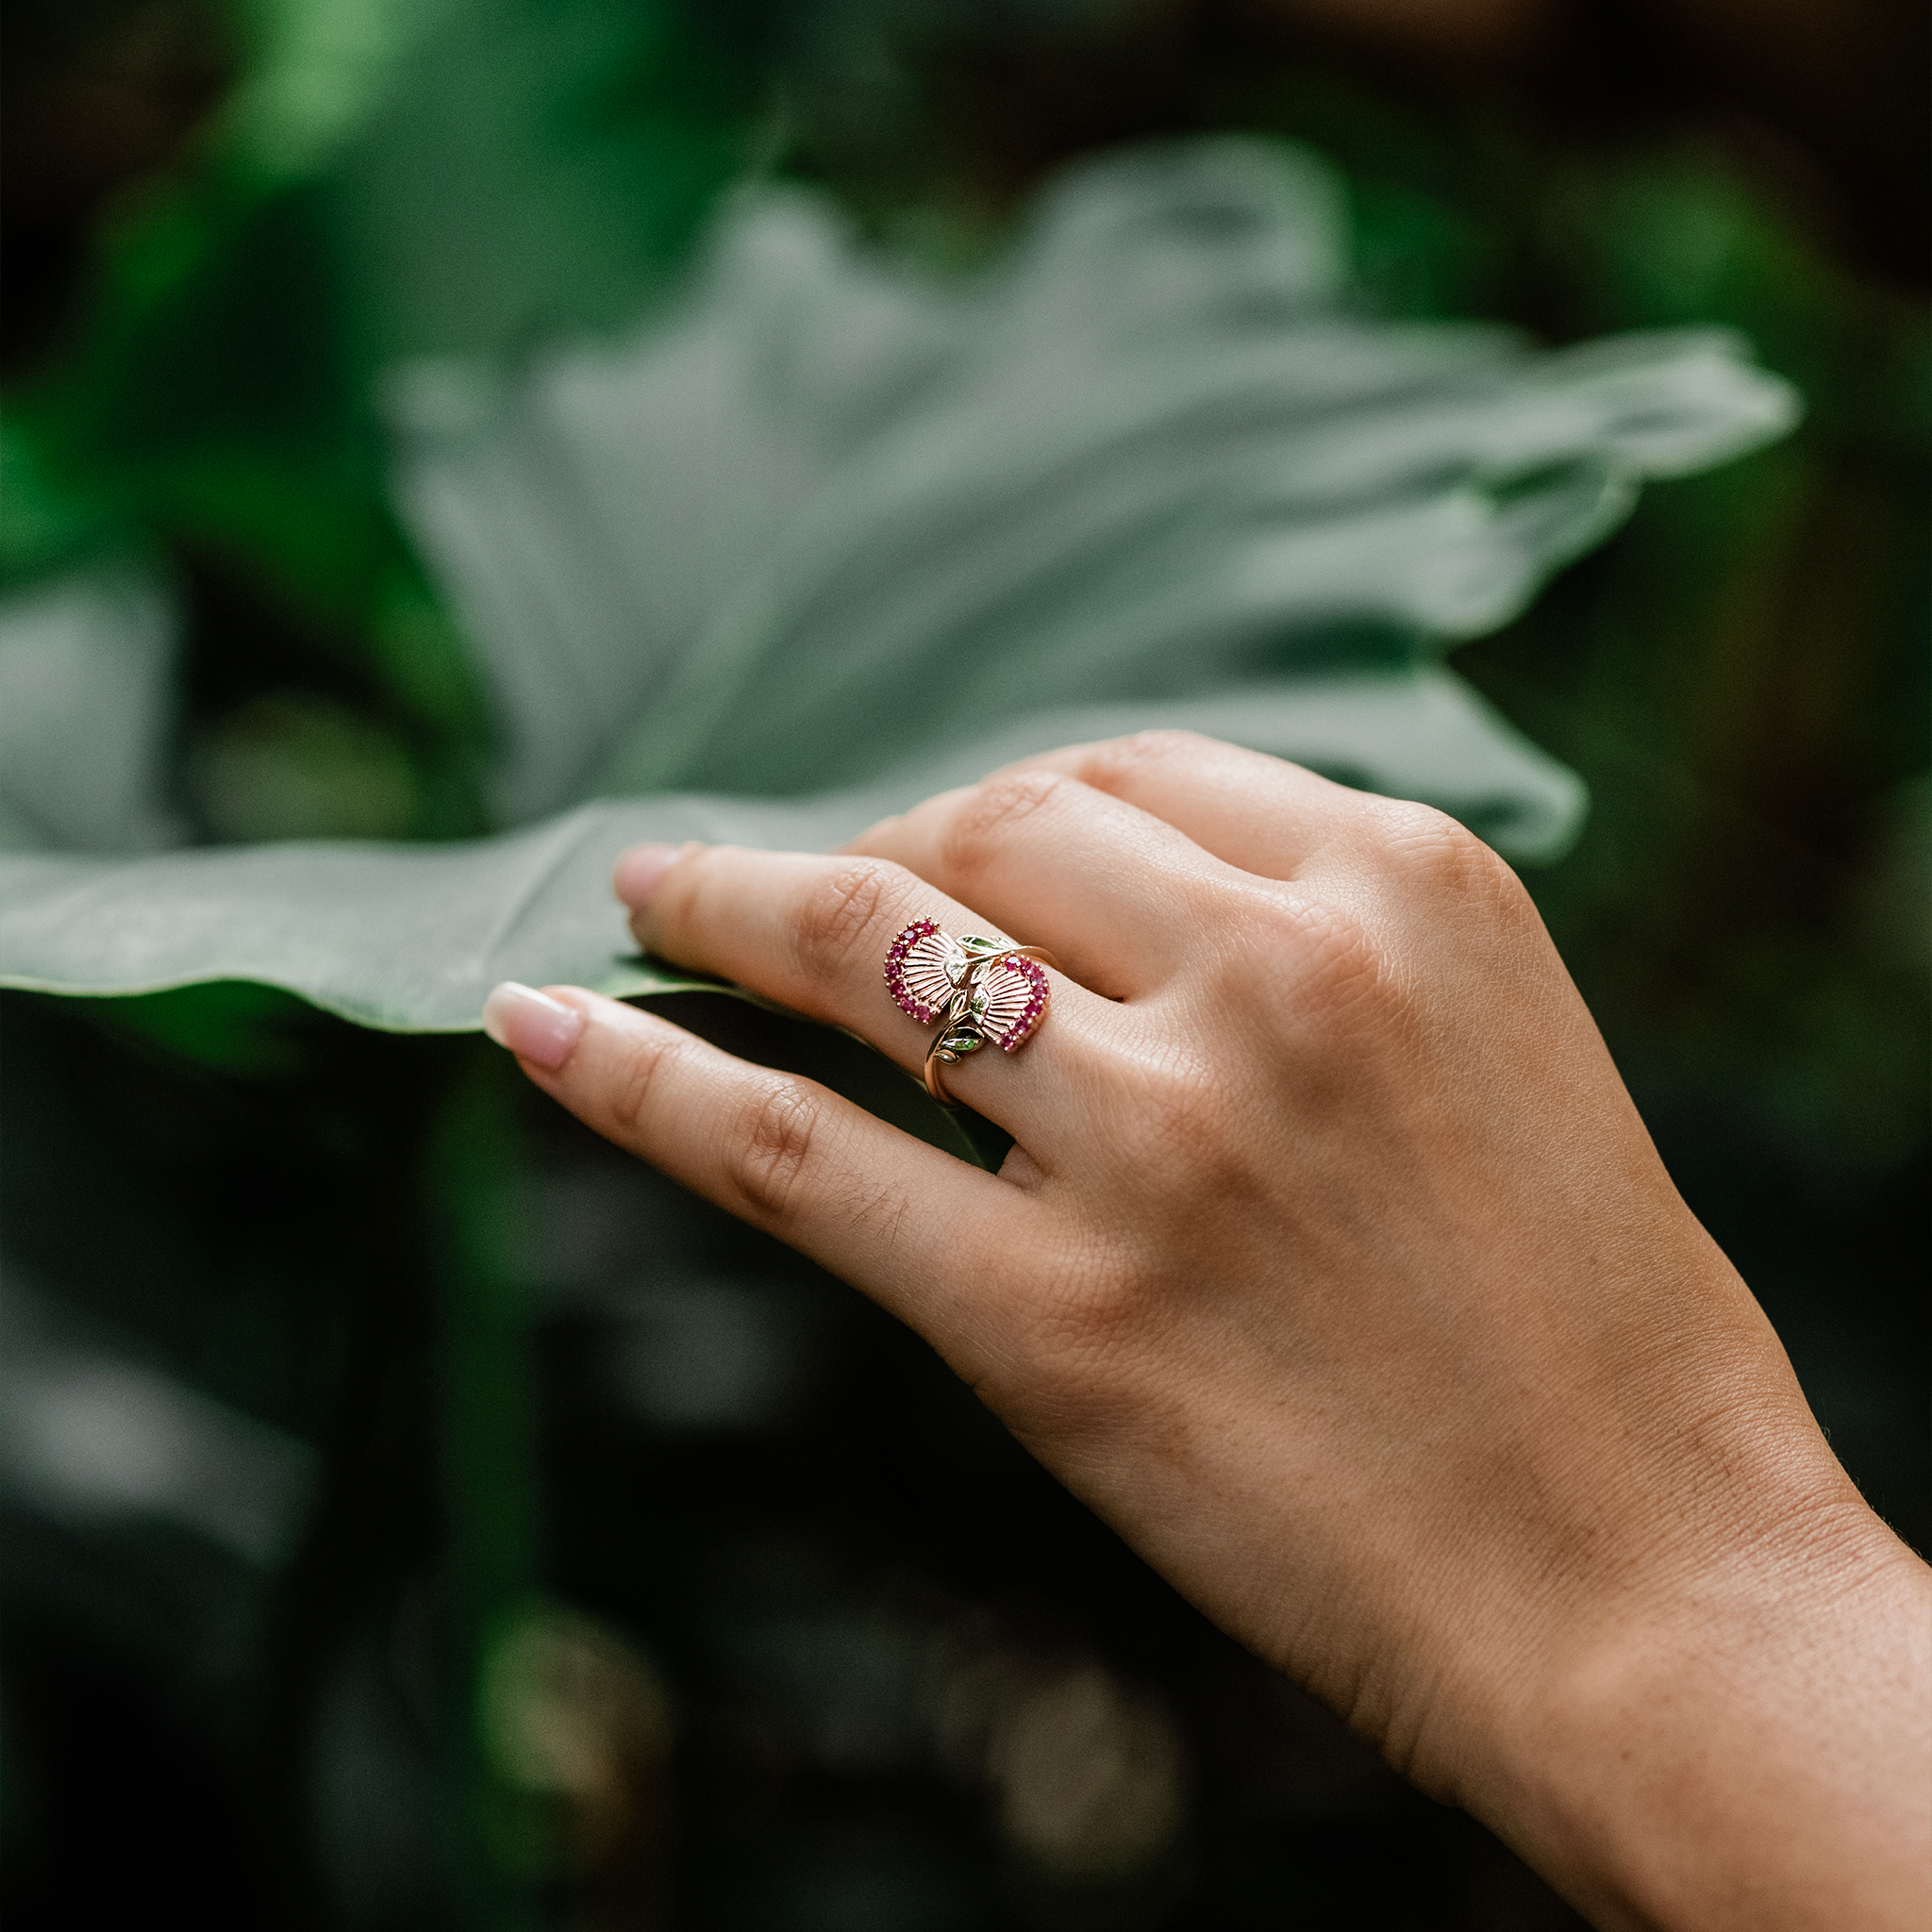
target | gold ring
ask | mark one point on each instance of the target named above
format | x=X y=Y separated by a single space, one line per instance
x=978 y=989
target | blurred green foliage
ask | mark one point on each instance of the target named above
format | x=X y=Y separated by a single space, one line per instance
x=381 y=179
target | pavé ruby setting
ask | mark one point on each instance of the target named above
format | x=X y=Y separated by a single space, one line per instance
x=978 y=989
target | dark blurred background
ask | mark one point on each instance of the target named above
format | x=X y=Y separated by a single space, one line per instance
x=498 y=1537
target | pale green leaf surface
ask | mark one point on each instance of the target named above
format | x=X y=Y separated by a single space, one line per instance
x=835 y=536
x=830 y=511
x=412 y=938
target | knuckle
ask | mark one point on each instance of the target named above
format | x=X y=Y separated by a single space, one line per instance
x=1308 y=963
x=1429 y=850
x=989 y=813
x=1087 y=1313
x=1112 y=767
x=1174 y=1120
x=839 y=915
x=770 y=1147
x=1179 y=1115
x=1424 y=843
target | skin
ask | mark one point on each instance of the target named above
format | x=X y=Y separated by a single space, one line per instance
x=1334 y=1267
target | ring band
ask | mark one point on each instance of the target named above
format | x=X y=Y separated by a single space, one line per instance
x=978 y=989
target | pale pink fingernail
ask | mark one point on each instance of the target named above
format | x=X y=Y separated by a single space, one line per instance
x=638 y=871
x=531 y=1024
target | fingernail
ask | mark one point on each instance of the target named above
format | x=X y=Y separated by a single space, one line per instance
x=531 y=1024
x=638 y=871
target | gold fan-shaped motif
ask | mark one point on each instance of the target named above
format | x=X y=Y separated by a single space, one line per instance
x=924 y=969
x=1009 y=1000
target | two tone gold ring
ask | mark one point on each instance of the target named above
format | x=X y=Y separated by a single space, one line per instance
x=977 y=990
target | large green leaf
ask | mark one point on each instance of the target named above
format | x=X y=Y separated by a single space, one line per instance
x=832 y=510
x=833 y=536
x=413 y=937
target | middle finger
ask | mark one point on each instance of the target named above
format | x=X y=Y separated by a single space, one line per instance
x=1119 y=894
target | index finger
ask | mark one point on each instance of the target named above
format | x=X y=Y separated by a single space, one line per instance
x=816 y=934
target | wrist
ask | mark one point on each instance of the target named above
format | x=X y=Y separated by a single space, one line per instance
x=1721 y=1743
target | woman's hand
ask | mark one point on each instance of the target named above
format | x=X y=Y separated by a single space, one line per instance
x=1333 y=1266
